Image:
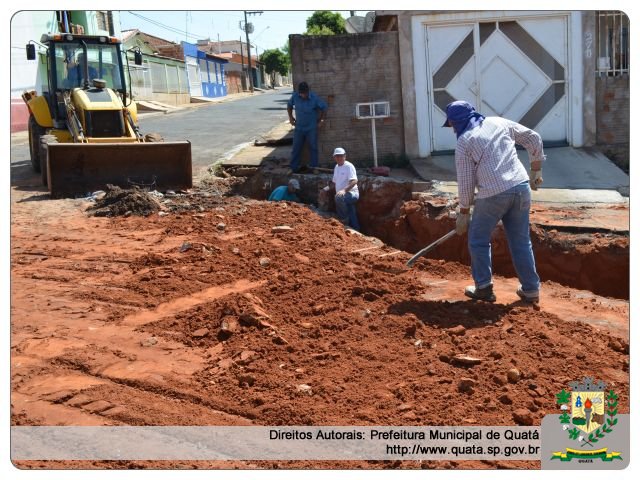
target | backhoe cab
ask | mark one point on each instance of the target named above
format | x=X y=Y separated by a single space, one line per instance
x=82 y=132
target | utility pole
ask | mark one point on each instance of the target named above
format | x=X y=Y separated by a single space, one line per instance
x=242 y=80
x=246 y=31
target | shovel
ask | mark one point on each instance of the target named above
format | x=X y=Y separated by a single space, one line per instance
x=430 y=247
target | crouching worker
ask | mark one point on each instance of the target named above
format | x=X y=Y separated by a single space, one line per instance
x=286 y=192
x=346 y=183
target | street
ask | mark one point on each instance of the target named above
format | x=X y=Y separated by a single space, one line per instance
x=215 y=129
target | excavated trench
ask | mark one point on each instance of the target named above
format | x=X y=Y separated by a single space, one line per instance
x=576 y=254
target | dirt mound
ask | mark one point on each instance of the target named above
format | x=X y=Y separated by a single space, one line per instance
x=118 y=201
x=249 y=312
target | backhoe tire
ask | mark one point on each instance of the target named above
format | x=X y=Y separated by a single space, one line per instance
x=45 y=140
x=35 y=133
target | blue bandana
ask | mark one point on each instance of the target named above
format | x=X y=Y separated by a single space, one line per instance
x=462 y=116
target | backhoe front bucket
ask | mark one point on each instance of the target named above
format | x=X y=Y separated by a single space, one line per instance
x=77 y=168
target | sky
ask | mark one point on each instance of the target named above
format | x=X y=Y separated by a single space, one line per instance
x=271 y=28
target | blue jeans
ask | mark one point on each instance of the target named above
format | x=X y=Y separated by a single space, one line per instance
x=512 y=207
x=299 y=136
x=346 y=209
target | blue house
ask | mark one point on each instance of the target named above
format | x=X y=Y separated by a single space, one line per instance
x=205 y=71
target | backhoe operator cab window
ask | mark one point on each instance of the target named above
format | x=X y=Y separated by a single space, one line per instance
x=102 y=60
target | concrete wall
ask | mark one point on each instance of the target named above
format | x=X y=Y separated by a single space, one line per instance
x=348 y=69
x=612 y=114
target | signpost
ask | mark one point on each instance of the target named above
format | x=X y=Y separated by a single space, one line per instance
x=373 y=110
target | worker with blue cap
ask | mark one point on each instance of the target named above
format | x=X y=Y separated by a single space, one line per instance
x=489 y=170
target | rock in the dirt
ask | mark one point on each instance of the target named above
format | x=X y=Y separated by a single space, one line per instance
x=457 y=330
x=404 y=407
x=466 y=360
x=201 y=332
x=514 y=375
x=252 y=316
x=221 y=226
x=246 y=357
x=229 y=326
x=523 y=416
x=281 y=229
x=495 y=354
x=149 y=342
x=235 y=251
x=185 y=247
x=506 y=399
x=265 y=261
x=304 y=388
x=619 y=345
x=280 y=340
x=466 y=385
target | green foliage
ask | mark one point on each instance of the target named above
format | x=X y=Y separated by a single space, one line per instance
x=324 y=22
x=563 y=397
x=574 y=433
x=275 y=61
x=565 y=418
x=579 y=421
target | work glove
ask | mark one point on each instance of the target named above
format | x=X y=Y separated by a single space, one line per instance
x=535 y=179
x=462 y=223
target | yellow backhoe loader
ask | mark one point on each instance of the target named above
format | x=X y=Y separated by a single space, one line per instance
x=83 y=131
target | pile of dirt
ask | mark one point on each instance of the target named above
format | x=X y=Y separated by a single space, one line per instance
x=118 y=201
x=264 y=313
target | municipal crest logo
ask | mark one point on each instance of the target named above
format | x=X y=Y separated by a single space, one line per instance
x=588 y=415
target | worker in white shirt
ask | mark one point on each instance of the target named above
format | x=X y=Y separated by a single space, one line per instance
x=486 y=160
x=346 y=183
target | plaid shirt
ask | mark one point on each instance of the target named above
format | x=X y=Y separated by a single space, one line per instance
x=486 y=158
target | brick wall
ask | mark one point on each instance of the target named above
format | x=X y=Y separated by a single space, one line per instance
x=348 y=69
x=612 y=118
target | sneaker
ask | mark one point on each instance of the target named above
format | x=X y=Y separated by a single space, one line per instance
x=485 y=293
x=535 y=298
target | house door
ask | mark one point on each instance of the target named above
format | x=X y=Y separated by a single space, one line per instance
x=193 y=73
x=510 y=68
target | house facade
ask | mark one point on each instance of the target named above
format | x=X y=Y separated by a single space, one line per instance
x=160 y=78
x=205 y=72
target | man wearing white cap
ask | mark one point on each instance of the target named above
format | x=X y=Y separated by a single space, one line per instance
x=286 y=192
x=346 y=182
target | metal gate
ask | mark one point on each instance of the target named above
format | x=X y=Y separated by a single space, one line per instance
x=511 y=68
x=193 y=72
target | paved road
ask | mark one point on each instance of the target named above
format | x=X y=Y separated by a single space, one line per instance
x=214 y=130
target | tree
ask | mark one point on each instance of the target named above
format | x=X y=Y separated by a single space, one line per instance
x=275 y=61
x=324 y=22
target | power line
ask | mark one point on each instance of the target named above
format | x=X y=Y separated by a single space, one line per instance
x=167 y=27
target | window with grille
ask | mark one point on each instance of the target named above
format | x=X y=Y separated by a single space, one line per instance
x=102 y=19
x=612 y=31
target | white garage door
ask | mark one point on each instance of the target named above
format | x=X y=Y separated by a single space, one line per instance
x=193 y=72
x=510 y=68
